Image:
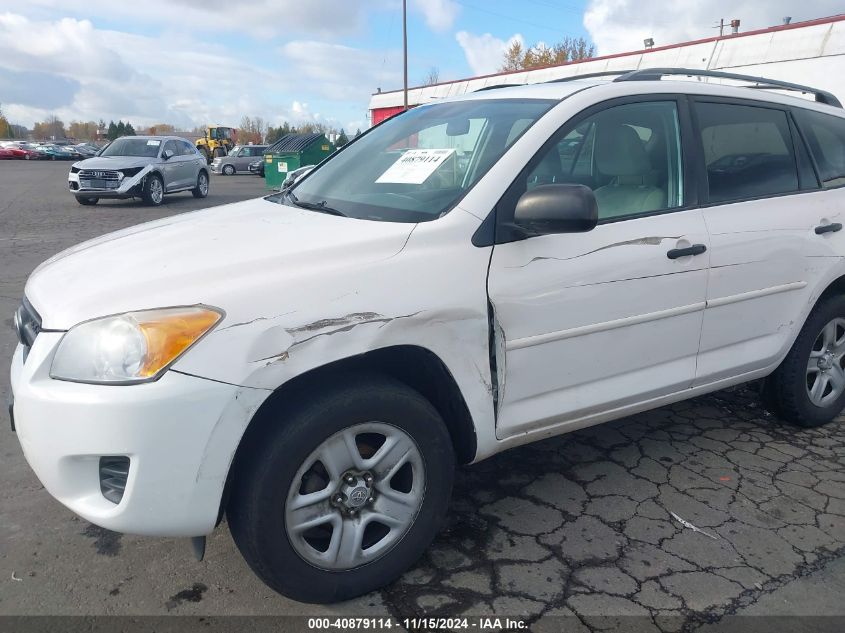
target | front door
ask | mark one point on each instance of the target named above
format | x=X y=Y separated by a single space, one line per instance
x=597 y=321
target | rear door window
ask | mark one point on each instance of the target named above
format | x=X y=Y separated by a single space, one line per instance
x=825 y=134
x=748 y=151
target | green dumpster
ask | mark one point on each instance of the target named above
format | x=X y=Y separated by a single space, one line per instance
x=291 y=152
x=277 y=167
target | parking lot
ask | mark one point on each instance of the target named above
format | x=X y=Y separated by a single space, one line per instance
x=683 y=515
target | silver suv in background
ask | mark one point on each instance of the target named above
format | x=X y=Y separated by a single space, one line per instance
x=146 y=167
x=238 y=159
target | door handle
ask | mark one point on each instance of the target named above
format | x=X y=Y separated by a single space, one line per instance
x=828 y=228
x=695 y=249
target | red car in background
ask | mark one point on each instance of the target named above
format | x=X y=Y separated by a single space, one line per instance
x=7 y=153
x=22 y=151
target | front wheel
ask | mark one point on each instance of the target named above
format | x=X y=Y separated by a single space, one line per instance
x=201 y=190
x=342 y=492
x=153 y=191
x=228 y=170
x=808 y=388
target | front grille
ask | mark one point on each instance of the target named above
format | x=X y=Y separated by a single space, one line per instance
x=114 y=471
x=27 y=325
x=99 y=179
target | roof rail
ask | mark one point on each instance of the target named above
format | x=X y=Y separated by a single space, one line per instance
x=497 y=86
x=604 y=73
x=655 y=74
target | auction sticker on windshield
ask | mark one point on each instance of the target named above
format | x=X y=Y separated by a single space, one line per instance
x=415 y=166
x=153 y=142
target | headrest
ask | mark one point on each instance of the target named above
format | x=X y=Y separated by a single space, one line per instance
x=619 y=151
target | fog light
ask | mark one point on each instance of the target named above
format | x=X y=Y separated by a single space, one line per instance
x=114 y=471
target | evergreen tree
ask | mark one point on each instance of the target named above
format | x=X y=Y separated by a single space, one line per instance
x=342 y=139
x=129 y=131
x=112 y=134
x=121 y=128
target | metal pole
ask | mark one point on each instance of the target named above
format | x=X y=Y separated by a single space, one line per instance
x=405 y=47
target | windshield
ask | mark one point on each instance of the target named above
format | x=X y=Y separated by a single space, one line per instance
x=418 y=165
x=133 y=147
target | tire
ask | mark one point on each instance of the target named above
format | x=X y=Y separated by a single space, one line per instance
x=228 y=170
x=789 y=390
x=26 y=157
x=201 y=190
x=153 y=190
x=87 y=201
x=279 y=454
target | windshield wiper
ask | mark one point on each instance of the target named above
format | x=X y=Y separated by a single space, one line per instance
x=322 y=207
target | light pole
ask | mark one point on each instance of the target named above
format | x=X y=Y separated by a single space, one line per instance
x=405 y=48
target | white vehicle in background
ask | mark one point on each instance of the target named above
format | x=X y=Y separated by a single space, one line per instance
x=471 y=275
x=146 y=167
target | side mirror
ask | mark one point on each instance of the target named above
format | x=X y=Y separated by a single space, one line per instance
x=167 y=154
x=556 y=209
x=296 y=175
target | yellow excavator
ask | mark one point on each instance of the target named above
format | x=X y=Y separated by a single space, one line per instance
x=218 y=141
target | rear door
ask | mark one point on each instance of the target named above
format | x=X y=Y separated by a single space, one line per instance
x=597 y=321
x=764 y=211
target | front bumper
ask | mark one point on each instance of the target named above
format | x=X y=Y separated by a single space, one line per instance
x=179 y=432
x=216 y=166
x=129 y=187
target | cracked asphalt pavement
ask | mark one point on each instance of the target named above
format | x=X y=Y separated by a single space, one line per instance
x=594 y=525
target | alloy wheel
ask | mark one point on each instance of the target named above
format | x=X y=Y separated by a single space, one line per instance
x=826 y=365
x=355 y=496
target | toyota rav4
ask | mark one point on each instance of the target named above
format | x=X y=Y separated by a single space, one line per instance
x=466 y=277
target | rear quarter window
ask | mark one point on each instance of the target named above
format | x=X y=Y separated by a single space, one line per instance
x=825 y=134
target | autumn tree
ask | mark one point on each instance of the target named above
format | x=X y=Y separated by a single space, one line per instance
x=83 y=130
x=569 y=49
x=160 y=129
x=252 y=130
x=5 y=128
x=52 y=128
x=432 y=77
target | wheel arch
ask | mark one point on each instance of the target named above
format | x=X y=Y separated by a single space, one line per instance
x=417 y=367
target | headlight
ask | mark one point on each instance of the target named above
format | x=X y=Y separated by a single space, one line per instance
x=132 y=347
x=132 y=171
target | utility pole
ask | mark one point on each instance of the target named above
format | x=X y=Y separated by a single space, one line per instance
x=721 y=27
x=405 y=47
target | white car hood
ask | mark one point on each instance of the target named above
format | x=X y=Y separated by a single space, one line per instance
x=219 y=257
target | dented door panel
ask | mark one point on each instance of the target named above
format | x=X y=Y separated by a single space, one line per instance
x=598 y=320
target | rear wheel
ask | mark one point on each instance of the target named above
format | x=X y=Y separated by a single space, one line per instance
x=808 y=388
x=153 y=191
x=201 y=190
x=87 y=200
x=343 y=491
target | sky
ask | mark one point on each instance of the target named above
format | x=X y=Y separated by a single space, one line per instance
x=193 y=62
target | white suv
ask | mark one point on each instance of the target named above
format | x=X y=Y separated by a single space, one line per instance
x=469 y=276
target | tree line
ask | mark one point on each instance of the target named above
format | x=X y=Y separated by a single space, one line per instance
x=569 y=49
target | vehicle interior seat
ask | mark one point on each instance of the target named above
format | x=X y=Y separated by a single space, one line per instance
x=621 y=156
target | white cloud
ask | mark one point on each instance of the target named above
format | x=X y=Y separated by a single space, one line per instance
x=340 y=72
x=622 y=25
x=260 y=18
x=485 y=53
x=70 y=68
x=440 y=15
